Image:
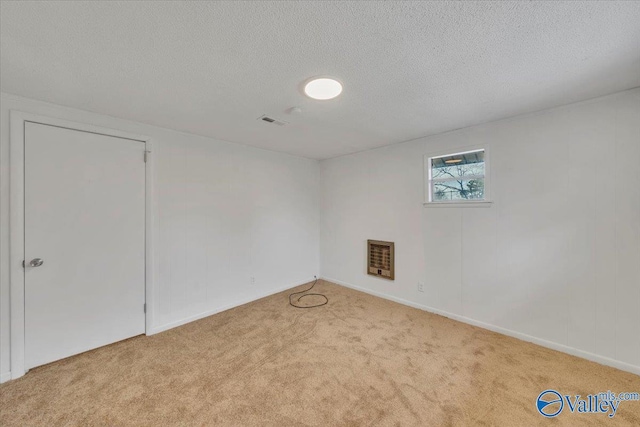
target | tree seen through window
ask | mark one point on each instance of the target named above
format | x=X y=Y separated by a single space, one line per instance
x=458 y=176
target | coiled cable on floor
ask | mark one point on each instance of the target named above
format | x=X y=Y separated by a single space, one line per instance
x=326 y=300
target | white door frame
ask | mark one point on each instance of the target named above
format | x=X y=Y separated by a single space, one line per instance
x=16 y=225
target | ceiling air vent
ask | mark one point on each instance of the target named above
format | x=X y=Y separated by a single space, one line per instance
x=380 y=259
x=268 y=119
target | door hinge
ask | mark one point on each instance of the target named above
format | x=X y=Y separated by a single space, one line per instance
x=144 y=307
x=146 y=155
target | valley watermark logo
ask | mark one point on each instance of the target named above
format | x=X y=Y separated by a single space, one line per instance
x=551 y=403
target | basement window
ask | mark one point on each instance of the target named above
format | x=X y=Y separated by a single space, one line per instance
x=457 y=178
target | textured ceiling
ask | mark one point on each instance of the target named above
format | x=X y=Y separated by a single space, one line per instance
x=409 y=69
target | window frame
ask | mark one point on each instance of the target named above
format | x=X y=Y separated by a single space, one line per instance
x=428 y=181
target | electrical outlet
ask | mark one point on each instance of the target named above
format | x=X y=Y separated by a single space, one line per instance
x=420 y=286
x=252 y=280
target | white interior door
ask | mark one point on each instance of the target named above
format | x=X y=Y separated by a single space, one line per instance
x=85 y=219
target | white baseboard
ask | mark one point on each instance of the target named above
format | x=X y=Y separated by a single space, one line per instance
x=519 y=335
x=242 y=301
x=5 y=377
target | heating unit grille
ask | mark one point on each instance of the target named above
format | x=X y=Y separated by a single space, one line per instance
x=380 y=259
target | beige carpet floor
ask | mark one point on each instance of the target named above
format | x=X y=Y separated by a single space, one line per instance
x=358 y=361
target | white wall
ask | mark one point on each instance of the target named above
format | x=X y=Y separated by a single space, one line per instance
x=555 y=259
x=225 y=212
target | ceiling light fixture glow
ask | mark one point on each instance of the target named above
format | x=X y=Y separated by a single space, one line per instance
x=323 y=88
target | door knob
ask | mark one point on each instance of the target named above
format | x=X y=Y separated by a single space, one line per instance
x=36 y=262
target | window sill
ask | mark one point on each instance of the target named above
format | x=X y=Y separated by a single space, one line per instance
x=483 y=204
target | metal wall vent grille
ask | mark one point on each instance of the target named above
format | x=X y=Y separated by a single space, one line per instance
x=381 y=259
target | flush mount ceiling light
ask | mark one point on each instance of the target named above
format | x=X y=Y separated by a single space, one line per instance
x=323 y=88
